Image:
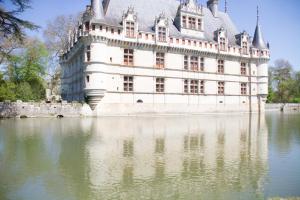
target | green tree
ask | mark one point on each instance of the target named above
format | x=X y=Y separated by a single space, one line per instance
x=26 y=70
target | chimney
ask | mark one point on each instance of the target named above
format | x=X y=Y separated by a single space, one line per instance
x=97 y=9
x=213 y=7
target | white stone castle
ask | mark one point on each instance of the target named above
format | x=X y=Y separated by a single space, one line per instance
x=154 y=56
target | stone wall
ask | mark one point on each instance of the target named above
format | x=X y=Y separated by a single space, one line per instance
x=20 y=109
x=285 y=107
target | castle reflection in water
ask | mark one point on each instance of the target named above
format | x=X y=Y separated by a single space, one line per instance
x=196 y=157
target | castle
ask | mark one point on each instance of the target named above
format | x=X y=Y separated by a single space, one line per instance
x=153 y=56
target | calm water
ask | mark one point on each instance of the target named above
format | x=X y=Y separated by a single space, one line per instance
x=201 y=157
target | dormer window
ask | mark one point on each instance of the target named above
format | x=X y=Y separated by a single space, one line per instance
x=221 y=38
x=245 y=48
x=161 y=28
x=162 y=34
x=222 y=44
x=130 y=29
x=243 y=41
x=130 y=25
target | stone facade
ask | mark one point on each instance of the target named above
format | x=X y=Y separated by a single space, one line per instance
x=188 y=60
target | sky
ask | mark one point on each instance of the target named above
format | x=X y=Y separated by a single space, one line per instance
x=279 y=20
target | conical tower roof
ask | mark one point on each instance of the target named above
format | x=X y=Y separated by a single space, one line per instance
x=258 y=40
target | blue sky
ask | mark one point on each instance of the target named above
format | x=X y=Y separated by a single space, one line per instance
x=279 y=20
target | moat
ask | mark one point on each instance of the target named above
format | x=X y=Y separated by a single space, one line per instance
x=238 y=156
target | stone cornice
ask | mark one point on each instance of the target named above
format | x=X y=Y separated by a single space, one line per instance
x=155 y=47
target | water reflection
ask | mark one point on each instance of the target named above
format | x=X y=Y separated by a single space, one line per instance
x=216 y=157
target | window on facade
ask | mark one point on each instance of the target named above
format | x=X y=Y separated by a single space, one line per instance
x=194 y=63
x=162 y=34
x=222 y=44
x=194 y=87
x=245 y=48
x=186 y=86
x=202 y=87
x=184 y=22
x=202 y=64
x=128 y=84
x=93 y=27
x=192 y=23
x=243 y=88
x=200 y=24
x=160 y=60
x=221 y=66
x=130 y=29
x=221 y=88
x=87 y=79
x=160 y=85
x=243 y=69
x=128 y=57
x=186 y=63
x=88 y=53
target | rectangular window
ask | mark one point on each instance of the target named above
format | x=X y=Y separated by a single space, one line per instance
x=128 y=83
x=194 y=87
x=128 y=57
x=192 y=23
x=160 y=60
x=243 y=88
x=186 y=63
x=202 y=64
x=200 y=24
x=162 y=34
x=221 y=66
x=88 y=53
x=243 y=69
x=221 y=88
x=202 y=87
x=194 y=63
x=93 y=27
x=184 y=22
x=160 y=85
x=186 y=86
x=130 y=29
x=222 y=44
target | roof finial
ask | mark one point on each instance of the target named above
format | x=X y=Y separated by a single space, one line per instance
x=225 y=6
x=257 y=15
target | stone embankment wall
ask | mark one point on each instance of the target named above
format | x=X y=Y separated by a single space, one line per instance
x=283 y=107
x=20 y=109
x=23 y=110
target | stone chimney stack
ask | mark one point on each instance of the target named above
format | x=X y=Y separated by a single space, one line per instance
x=213 y=7
x=97 y=9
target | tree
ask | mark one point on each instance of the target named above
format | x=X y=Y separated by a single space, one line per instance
x=25 y=70
x=283 y=83
x=10 y=24
x=56 y=37
x=12 y=27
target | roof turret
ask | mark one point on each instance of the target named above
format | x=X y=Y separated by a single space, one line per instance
x=258 y=40
x=97 y=9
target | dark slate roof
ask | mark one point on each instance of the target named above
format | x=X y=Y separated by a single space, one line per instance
x=147 y=10
x=258 y=40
